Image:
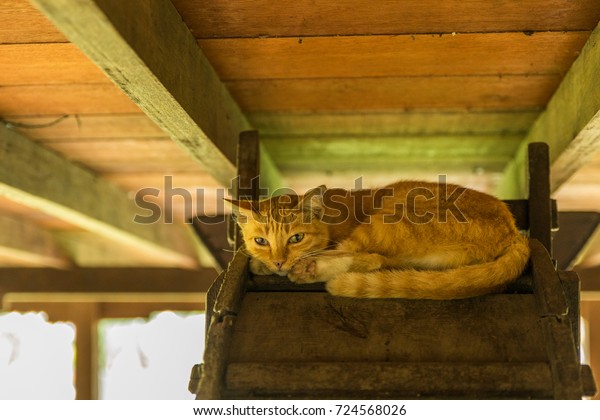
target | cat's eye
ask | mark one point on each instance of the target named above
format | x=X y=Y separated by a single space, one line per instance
x=261 y=241
x=296 y=238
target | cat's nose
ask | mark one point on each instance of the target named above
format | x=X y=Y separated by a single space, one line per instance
x=278 y=264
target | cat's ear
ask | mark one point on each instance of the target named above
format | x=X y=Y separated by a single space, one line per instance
x=243 y=209
x=312 y=202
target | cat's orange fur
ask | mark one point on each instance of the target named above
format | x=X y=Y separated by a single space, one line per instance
x=408 y=240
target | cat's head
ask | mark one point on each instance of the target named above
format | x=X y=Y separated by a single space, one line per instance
x=280 y=230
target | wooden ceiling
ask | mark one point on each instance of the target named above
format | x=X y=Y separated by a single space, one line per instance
x=135 y=91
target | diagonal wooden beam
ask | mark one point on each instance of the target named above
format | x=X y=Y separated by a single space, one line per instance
x=570 y=125
x=40 y=179
x=146 y=49
x=24 y=244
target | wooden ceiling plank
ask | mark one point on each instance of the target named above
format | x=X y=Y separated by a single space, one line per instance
x=152 y=179
x=20 y=22
x=345 y=152
x=146 y=50
x=402 y=169
x=242 y=18
x=570 y=125
x=86 y=126
x=401 y=123
x=396 y=93
x=40 y=100
x=38 y=178
x=30 y=64
x=25 y=244
x=512 y=53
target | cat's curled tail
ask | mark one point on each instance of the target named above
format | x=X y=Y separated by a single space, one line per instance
x=456 y=283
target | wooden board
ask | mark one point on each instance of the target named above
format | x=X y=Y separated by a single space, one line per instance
x=34 y=64
x=391 y=56
x=134 y=181
x=33 y=216
x=457 y=93
x=320 y=328
x=23 y=243
x=64 y=99
x=570 y=124
x=390 y=380
x=110 y=126
x=20 y=22
x=243 y=18
x=127 y=156
x=399 y=123
x=36 y=177
x=155 y=60
x=346 y=153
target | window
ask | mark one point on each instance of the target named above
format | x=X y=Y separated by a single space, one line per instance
x=151 y=359
x=36 y=357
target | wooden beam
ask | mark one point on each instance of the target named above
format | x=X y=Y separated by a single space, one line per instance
x=38 y=178
x=148 y=51
x=570 y=125
x=25 y=244
x=104 y=284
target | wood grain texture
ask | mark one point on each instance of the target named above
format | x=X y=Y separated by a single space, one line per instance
x=540 y=206
x=570 y=124
x=399 y=123
x=35 y=64
x=64 y=99
x=127 y=156
x=22 y=243
x=154 y=59
x=546 y=282
x=564 y=360
x=36 y=177
x=394 y=56
x=105 y=280
x=440 y=93
x=232 y=290
x=345 y=153
x=244 y=18
x=392 y=380
x=33 y=216
x=74 y=127
x=20 y=22
x=321 y=328
x=136 y=180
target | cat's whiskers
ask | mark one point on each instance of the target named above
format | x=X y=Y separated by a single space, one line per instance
x=321 y=251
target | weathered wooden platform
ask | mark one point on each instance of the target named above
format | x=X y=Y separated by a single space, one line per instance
x=269 y=338
x=287 y=341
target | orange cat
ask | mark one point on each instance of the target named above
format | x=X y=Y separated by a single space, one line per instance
x=407 y=240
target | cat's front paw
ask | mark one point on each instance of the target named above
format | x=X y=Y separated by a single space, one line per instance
x=304 y=271
x=259 y=268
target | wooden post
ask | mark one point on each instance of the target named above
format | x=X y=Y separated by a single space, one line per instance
x=85 y=316
x=224 y=298
x=246 y=185
x=540 y=206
